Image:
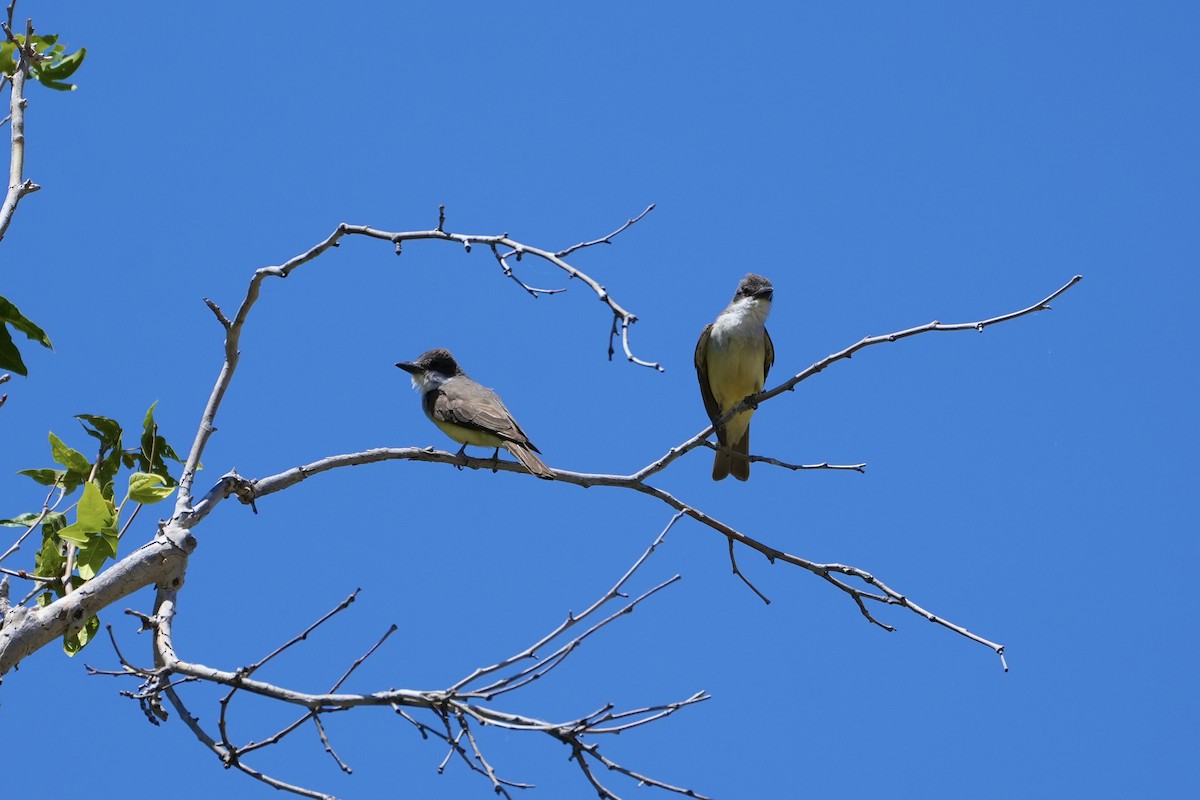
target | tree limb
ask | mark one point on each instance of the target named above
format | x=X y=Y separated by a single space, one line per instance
x=884 y=595
x=18 y=186
x=166 y=556
x=233 y=328
x=160 y=561
x=457 y=708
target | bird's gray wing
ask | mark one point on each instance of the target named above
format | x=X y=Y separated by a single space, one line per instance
x=770 y=359
x=710 y=402
x=473 y=405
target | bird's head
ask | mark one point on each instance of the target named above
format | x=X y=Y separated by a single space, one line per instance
x=433 y=367
x=754 y=287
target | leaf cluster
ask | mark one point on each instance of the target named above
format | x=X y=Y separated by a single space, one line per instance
x=51 y=64
x=72 y=553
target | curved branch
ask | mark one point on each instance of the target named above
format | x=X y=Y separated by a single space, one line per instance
x=621 y=315
x=233 y=327
x=31 y=629
x=883 y=593
x=277 y=483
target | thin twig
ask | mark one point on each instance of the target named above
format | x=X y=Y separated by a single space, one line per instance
x=288 y=729
x=342 y=765
x=27 y=576
x=502 y=258
x=736 y=571
x=530 y=674
x=46 y=509
x=498 y=785
x=194 y=725
x=216 y=309
x=572 y=620
x=606 y=239
x=303 y=635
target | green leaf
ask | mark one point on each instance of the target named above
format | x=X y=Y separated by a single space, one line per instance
x=59 y=86
x=94 y=510
x=53 y=523
x=109 y=468
x=8 y=58
x=10 y=356
x=147 y=488
x=48 y=562
x=93 y=515
x=47 y=477
x=70 y=458
x=149 y=431
x=76 y=534
x=155 y=449
x=73 y=644
x=10 y=315
x=63 y=68
x=106 y=430
x=92 y=555
x=22 y=521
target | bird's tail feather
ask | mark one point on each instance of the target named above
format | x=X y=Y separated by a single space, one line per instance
x=733 y=459
x=529 y=460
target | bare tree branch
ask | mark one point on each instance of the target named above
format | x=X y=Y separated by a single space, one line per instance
x=18 y=186
x=790 y=384
x=193 y=724
x=884 y=594
x=459 y=708
x=456 y=708
x=868 y=341
x=233 y=328
x=160 y=561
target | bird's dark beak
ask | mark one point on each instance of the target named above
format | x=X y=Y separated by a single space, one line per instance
x=764 y=294
x=409 y=367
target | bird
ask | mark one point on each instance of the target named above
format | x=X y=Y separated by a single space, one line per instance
x=468 y=412
x=733 y=357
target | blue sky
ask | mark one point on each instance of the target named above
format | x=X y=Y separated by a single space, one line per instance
x=883 y=164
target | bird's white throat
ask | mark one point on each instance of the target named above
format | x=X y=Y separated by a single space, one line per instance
x=746 y=316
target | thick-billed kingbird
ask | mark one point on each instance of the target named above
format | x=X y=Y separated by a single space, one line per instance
x=468 y=412
x=733 y=357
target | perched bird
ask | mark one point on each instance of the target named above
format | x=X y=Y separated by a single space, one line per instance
x=467 y=412
x=733 y=357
